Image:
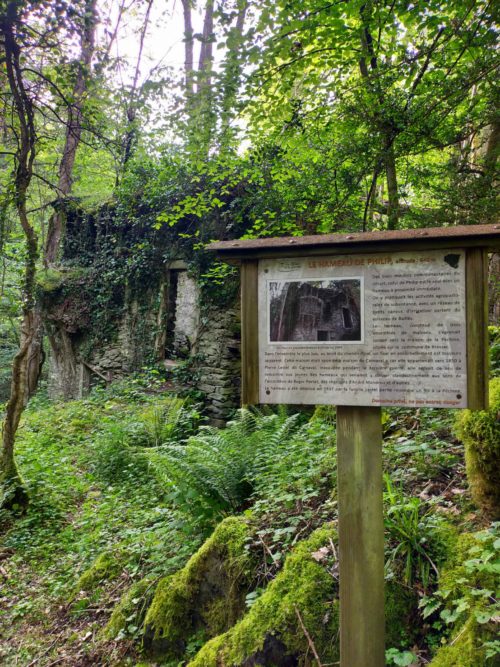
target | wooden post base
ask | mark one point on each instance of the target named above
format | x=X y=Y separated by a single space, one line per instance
x=361 y=537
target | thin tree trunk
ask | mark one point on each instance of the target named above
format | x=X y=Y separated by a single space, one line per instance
x=131 y=131
x=188 y=50
x=57 y=222
x=233 y=64
x=206 y=50
x=14 y=493
x=370 y=198
x=392 y=185
x=370 y=75
x=200 y=112
x=492 y=152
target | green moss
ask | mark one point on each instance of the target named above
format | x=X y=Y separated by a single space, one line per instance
x=106 y=566
x=208 y=593
x=133 y=604
x=50 y=280
x=304 y=586
x=480 y=433
x=464 y=649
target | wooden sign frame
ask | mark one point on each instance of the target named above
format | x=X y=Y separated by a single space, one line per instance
x=359 y=431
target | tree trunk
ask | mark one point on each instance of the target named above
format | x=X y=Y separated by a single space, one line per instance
x=372 y=80
x=14 y=493
x=206 y=50
x=63 y=355
x=392 y=185
x=131 y=113
x=188 y=51
x=233 y=65
x=491 y=153
x=57 y=222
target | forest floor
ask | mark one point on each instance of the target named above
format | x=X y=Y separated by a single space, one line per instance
x=90 y=496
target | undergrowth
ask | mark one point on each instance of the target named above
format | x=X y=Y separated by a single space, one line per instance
x=127 y=484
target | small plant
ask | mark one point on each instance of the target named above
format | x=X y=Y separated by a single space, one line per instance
x=170 y=419
x=115 y=461
x=413 y=537
x=219 y=469
x=393 y=656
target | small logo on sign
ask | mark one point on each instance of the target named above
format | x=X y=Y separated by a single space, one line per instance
x=452 y=260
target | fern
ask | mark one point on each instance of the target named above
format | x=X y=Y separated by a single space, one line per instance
x=220 y=469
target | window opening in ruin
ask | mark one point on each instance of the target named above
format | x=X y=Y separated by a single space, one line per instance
x=346 y=314
x=323 y=335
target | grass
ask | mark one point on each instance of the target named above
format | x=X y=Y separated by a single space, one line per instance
x=82 y=504
x=97 y=492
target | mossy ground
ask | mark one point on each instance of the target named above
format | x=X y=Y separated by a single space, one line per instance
x=301 y=604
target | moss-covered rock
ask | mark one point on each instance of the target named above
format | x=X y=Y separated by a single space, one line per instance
x=105 y=567
x=271 y=632
x=131 y=609
x=51 y=280
x=480 y=433
x=208 y=594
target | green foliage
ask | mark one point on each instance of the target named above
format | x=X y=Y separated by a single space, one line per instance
x=103 y=486
x=417 y=538
x=78 y=518
x=480 y=433
x=170 y=419
x=218 y=470
x=373 y=96
x=419 y=444
x=401 y=658
x=494 y=350
x=465 y=603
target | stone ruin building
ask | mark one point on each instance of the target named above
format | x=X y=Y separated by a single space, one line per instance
x=161 y=317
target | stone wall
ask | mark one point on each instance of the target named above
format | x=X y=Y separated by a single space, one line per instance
x=166 y=322
x=220 y=366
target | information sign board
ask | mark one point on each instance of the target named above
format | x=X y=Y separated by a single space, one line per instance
x=364 y=329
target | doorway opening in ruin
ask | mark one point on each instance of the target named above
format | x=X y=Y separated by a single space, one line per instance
x=347 y=317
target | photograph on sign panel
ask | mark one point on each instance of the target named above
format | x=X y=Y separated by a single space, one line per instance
x=319 y=311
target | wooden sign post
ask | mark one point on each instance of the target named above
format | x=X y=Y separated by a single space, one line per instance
x=363 y=321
